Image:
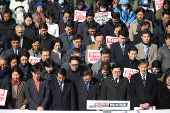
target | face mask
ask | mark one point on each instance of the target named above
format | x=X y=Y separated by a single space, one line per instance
x=61 y=2
x=103 y=9
x=145 y=7
x=124 y=8
x=2 y=6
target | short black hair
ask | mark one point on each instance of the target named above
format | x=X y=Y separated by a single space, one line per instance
x=12 y=57
x=43 y=25
x=144 y=23
x=133 y=48
x=103 y=2
x=142 y=61
x=78 y=36
x=8 y=11
x=70 y=24
x=124 y=32
x=61 y=71
x=90 y=13
x=56 y=40
x=105 y=66
x=117 y=25
x=48 y=62
x=45 y=49
x=140 y=10
x=146 y=31
x=28 y=15
x=49 y=14
x=24 y=53
x=166 y=2
x=87 y=71
x=36 y=67
x=74 y=58
x=167 y=36
x=92 y=25
x=167 y=75
x=105 y=51
x=66 y=11
x=15 y=38
x=168 y=24
x=35 y=39
x=17 y=69
x=165 y=13
x=115 y=15
x=156 y=64
x=99 y=34
x=116 y=65
x=75 y=51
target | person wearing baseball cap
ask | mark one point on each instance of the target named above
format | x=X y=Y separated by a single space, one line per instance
x=81 y=6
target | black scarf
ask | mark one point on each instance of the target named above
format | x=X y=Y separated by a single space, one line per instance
x=139 y=24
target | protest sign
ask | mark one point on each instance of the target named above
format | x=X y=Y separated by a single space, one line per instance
x=158 y=4
x=102 y=17
x=108 y=105
x=128 y=72
x=148 y=108
x=110 y=40
x=34 y=60
x=79 y=16
x=3 y=94
x=93 y=56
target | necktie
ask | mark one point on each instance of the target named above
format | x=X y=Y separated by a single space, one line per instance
x=61 y=87
x=36 y=55
x=116 y=81
x=144 y=79
x=123 y=48
x=87 y=86
x=15 y=51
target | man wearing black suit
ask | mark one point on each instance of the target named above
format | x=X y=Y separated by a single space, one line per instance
x=37 y=91
x=137 y=37
x=131 y=62
x=87 y=88
x=63 y=92
x=115 y=87
x=15 y=49
x=24 y=41
x=143 y=87
x=119 y=50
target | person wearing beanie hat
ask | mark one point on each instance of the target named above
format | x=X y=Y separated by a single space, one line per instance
x=38 y=17
x=15 y=3
x=81 y=6
x=126 y=12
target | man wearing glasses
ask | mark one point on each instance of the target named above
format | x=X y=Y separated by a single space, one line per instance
x=115 y=87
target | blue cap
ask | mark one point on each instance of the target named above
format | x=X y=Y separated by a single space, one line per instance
x=144 y=2
x=124 y=2
x=39 y=4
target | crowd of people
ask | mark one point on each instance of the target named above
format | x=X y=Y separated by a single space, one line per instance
x=64 y=79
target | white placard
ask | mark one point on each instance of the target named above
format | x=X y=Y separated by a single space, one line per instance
x=128 y=72
x=158 y=4
x=110 y=40
x=93 y=56
x=102 y=17
x=34 y=60
x=79 y=16
x=3 y=94
x=148 y=108
x=107 y=105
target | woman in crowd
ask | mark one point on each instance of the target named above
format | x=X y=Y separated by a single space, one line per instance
x=56 y=54
x=126 y=12
x=25 y=65
x=35 y=51
x=164 y=91
x=48 y=73
x=53 y=28
x=13 y=60
x=30 y=29
x=17 y=86
x=38 y=17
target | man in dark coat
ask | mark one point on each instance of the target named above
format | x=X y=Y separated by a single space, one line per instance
x=137 y=37
x=4 y=45
x=115 y=87
x=45 y=37
x=7 y=25
x=37 y=91
x=119 y=50
x=143 y=87
x=63 y=92
x=32 y=5
x=87 y=88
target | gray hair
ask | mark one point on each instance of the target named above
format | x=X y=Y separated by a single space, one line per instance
x=19 y=26
x=2 y=58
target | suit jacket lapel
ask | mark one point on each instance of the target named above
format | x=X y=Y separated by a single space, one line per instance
x=139 y=79
x=33 y=86
x=56 y=85
x=90 y=86
x=83 y=86
x=141 y=49
x=20 y=87
x=40 y=86
x=150 y=51
x=65 y=86
x=119 y=47
x=147 y=79
x=120 y=81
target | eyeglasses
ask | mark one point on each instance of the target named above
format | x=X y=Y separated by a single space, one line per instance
x=74 y=65
x=78 y=42
x=117 y=72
